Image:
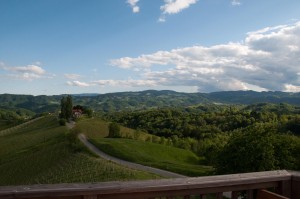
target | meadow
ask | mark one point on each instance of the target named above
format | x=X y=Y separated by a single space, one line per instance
x=41 y=153
x=155 y=155
x=141 y=151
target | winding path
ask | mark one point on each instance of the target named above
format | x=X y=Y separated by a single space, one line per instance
x=105 y=156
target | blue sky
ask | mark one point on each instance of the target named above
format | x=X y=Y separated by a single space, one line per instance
x=100 y=46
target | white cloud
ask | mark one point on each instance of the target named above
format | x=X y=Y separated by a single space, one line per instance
x=291 y=88
x=235 y=2
x=114 y=83
x=174 y=7
x=28 y=72
x=72 y=76
x=267 y=59
x=126 y=83
x=31 y=69
x=133 y=5
x=78 y=83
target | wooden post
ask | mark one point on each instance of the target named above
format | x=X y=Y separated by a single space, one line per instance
x=202 y=197
x=234 y=195
x=219 y=195
x=285 y=188
x=250 y=194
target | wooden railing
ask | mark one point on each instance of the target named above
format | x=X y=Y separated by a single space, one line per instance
x=285 y=183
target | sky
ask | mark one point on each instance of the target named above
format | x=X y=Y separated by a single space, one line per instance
x=51 y=47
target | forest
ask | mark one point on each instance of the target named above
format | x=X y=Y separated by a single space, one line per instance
x=232 y=138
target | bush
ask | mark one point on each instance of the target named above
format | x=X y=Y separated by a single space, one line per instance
x=114 y=130
x=62 y=122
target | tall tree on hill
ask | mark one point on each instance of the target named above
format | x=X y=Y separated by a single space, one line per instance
x=66 y=105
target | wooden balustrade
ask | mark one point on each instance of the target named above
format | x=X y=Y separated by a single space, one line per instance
x=286 y=183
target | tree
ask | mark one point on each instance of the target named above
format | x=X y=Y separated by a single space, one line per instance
x=114 y=130
x=66 y=105
x=249 y=150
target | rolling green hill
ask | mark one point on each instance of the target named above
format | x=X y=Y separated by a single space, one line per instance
x=42 y=153
x=155 y=155
x=140 y=151
x=146 y=100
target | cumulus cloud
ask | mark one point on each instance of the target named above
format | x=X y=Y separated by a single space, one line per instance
x=291 y=88
x=267 y=59
x=31 y=69
x=133 y=5
x=28 y=72
x=174 y=7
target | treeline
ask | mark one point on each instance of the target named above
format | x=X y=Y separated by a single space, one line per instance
x=214 y=131
x=199 y=122
x=145 y=100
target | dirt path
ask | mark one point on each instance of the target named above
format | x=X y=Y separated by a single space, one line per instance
x=103 y=155
x=70 y=124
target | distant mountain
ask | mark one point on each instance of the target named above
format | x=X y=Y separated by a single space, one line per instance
x=86 y=94
x=252 y=97
x=146 y=99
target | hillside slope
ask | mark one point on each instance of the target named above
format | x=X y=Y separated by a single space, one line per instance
x=44 y=152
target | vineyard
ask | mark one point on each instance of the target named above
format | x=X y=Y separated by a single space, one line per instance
x=39 y=153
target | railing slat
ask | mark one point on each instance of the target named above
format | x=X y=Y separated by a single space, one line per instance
x=264 y=194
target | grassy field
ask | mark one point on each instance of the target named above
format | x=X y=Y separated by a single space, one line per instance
x=156 y=155
x=41 y=154
x=96 y=128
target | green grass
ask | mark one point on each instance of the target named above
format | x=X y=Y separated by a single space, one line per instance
x=96 y=128
x=40 y=153
x=93 y=128
x=156 y=155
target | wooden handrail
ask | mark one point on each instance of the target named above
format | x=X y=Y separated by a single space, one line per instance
x=281 y=180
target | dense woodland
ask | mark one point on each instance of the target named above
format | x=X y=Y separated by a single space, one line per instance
x=231 y=138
